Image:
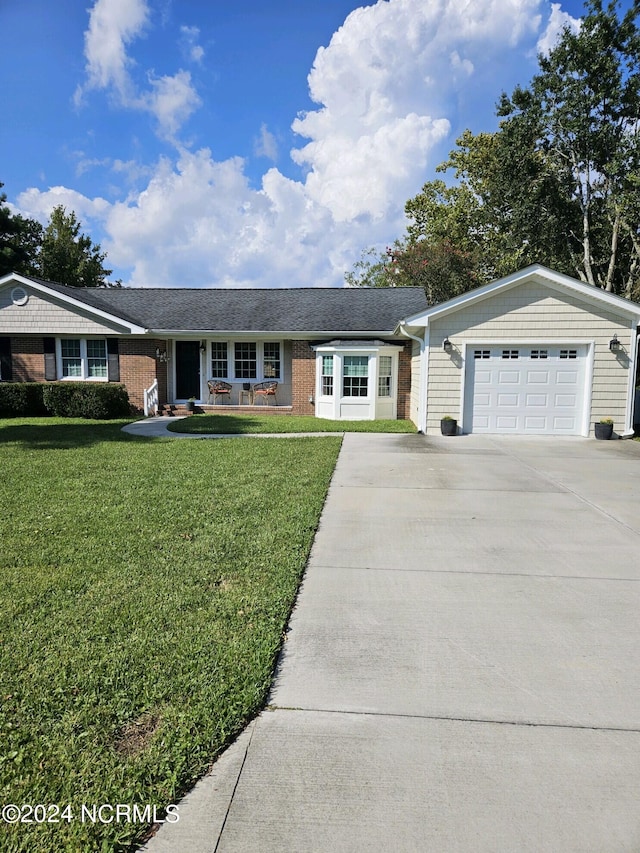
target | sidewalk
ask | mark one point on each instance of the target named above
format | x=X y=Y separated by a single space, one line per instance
x=460 y=673
x=159 y=428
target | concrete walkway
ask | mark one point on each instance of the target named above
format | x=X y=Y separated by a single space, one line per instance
x=461 y=672
x=159 y=428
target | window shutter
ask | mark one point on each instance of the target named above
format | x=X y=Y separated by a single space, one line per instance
x=6 y=367
x=50 y=374
x=113 y=360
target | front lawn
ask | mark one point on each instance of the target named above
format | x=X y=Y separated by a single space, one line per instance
x=238 y=424
x=146 y=586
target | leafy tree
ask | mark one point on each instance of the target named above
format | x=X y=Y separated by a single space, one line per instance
x=70 y=257
x=441 y=268
x=20 y=241
x=583 y=109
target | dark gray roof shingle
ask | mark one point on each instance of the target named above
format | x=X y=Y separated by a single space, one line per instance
x=350 y=310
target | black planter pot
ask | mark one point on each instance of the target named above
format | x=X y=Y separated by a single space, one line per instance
x=448 y=426
x=603 y=431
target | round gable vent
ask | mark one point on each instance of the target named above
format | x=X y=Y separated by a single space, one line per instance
x=19 y=296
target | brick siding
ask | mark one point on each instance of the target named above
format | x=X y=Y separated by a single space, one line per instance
x=27 y=358
x=138 y=369
x=303 y=373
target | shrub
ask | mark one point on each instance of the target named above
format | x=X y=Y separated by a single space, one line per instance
x=21 y=400
x=86 y=400
x=64 y=399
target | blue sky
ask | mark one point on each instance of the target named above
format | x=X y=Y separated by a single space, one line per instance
x=248 y=143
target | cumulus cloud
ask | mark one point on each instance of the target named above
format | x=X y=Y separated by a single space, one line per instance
x=558 y=21
x=113 y=25
x=386 y=88
x=38 y=204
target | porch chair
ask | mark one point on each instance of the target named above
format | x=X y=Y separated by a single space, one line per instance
x=218 y=388
x=264 y=390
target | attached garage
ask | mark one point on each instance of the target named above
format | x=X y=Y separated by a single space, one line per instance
x=535 y=353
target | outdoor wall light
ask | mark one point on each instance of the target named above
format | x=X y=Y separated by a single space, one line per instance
x=447 y=346
x=161 y=356
x=203 y=346
x=614 y=343
x=311 y=398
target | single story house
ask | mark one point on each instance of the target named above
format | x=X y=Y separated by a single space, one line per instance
x=536 y=352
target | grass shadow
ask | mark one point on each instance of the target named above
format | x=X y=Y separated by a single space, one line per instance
x=60 y=434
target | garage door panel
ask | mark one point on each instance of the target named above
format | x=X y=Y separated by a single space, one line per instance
x=568 y=400
x=536 y=400
x=541 y=391
x=508 y=399
x=538 y=377
x=537 y=424
x=504 y=422
x=566 y=377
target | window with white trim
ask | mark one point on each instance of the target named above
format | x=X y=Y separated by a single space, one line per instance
x=219 y=360
x=82 y=358
x=385 y=364
x=254 y=360
x=327 y=376
x=271 y=360
x=355 y=375
x=246 y=361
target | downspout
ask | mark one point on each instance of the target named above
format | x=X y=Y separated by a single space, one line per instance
x=631 y=405
x=424 y=370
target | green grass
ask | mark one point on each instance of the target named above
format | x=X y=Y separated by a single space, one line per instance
x=146 y=586
x=238 y=424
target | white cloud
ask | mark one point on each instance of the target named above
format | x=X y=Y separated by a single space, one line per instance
x=114 y=24
x=558 y=21
x=172 y=100
x=192 y=51
x=37 y=204
x=387 y=89
x=266 y=145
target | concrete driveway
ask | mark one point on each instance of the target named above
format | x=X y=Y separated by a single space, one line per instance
x=462 y=670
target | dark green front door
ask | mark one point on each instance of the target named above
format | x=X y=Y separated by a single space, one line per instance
x=187 y=370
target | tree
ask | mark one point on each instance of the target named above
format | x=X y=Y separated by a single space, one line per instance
x=70 y=257
x=584 y=109
x=20 y=241
x=439 y=267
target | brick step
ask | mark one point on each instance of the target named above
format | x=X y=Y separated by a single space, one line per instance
x=180 y=410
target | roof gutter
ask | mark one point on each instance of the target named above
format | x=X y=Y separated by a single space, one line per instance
x=424 y=369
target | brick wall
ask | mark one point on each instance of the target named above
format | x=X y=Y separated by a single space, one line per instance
x=303 y=375
x=138 y=369
x=137 y=365
x=27 y=357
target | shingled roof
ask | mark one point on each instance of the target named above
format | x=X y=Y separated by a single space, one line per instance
x=297 y=310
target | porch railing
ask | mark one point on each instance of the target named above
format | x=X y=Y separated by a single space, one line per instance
x=151 y=399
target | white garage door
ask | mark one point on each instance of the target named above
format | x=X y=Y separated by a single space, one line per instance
x=525 y=389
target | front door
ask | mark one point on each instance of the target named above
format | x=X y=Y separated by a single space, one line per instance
x=187 y=370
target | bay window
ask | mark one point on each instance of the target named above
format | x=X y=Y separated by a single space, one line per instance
x=355 y=375
x=327 y=376
x=385 y=372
